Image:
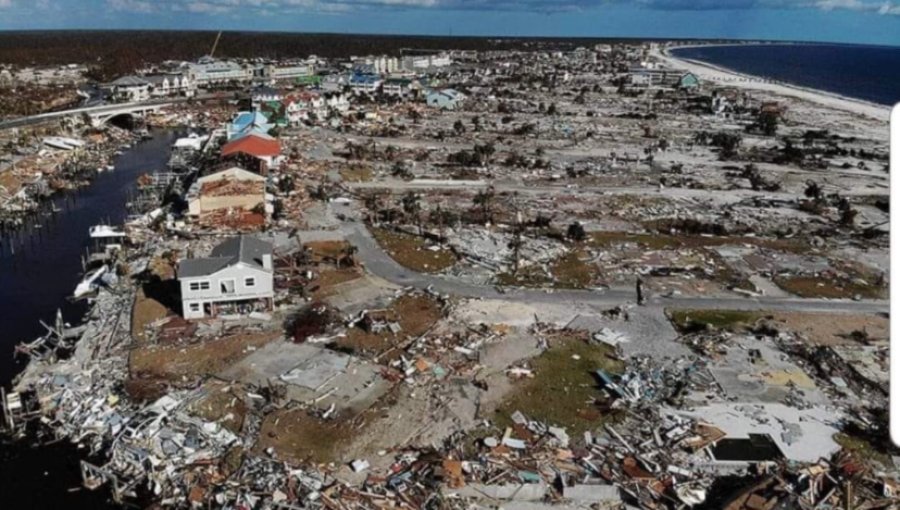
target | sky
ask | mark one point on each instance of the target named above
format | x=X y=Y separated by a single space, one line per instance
x=846 y=21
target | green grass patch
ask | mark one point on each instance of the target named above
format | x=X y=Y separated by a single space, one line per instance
x=563 y=389
x=687 y=321
x=863 y=449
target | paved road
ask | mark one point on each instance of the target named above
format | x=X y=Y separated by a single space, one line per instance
x=36 y=119
x=380 y=264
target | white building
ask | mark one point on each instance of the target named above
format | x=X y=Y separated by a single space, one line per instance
x=209 y=72
x=365 y=83
x=427 y=62
x=236 y=278
x=304 y=106
x=162 y=85
x=286 y=71
x=130 y=89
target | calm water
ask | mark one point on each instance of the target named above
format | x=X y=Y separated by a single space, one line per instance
x=34 y=282
x=871 y=73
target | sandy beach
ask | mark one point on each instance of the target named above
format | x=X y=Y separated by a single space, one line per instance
x=727 y=77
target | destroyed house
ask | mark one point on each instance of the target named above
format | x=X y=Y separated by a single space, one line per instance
x=235 y=279
x=230 y=188
x=446 y=99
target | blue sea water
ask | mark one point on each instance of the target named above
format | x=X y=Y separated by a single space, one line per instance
x=870 y=73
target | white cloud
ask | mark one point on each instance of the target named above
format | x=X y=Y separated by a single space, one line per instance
x=140 y=6
x=5 y=3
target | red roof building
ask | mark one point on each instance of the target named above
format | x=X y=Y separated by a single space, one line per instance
x=254 y=150
x=259 y=146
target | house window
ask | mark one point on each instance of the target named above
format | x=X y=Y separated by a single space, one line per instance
x=226 y=286
x=194 y=286
x=195 y=307
x=250 y=282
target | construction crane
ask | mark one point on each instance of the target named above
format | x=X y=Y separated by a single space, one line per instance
x=215 y=44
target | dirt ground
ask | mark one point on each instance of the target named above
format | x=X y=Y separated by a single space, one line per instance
x=414 y=313
x=187 y=362
x=570 y=271
x=328 y=278
x=298 y=437
x=830 y=288
x=146 y=310
x=224 y=403
x=818 y=328
x=836 y=328
x=411 y=252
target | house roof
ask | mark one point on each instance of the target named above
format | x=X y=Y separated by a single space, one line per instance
x=254 y=144
x=130 y=81
x=242 y=249
x=264 y=90
x=233 y=172
x=246 y=123
x=365 y=79
x=160 y=77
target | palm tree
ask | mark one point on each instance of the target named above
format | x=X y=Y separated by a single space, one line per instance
x=412 y=207
x=483 y=200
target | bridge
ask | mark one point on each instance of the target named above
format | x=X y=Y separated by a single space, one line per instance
x=98 y=115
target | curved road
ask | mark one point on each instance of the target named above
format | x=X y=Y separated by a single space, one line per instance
x=382 y=265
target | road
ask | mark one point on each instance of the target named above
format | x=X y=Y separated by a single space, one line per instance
x=36 y=119
x=382 y=265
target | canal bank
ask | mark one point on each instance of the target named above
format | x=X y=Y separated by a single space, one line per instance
x=39 y=269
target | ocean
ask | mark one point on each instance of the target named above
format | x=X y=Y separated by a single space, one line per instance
x=870 y=73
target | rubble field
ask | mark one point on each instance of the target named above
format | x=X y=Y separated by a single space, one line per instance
x=578 y=279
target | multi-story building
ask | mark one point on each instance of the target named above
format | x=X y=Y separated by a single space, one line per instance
x=236 y=278
x=211 y=72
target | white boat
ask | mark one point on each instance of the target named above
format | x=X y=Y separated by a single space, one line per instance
x=90 y=282
x=62 y=143
x=105 y=232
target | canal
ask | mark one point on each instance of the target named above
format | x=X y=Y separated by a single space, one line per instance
x=39 y=268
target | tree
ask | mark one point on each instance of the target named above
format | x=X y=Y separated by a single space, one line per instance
x=848 y=214
x=551 y=110
x=813 y=190
x=727 y=142
x=399 y=169
x=483 y=153
x=459 y=127
x=484 y=200
x=412 y=208
x=516 y=243
x=576 y=232
x=768 y=122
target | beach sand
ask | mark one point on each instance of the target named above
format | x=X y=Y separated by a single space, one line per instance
x=724 y=77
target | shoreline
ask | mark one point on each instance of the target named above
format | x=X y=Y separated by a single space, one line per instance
x=728 y=77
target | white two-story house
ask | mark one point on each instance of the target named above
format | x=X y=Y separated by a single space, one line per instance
x=170 y=84
x=237 y=278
